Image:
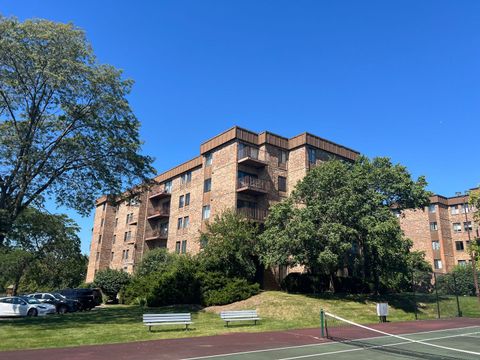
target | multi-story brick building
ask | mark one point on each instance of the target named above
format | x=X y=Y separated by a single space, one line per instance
x=238 y=169
x=442 y=230
x=246 y=171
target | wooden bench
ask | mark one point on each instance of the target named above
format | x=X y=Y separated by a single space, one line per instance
x=240 y=315
x=167 y=319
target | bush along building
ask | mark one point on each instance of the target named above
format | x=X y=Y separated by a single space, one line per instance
x=443 y=231
x=238 y=169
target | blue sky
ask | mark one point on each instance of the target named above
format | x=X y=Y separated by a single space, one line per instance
x=387 y=78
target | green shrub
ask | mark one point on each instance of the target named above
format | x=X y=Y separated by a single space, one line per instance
x=233 y=290
x=111 y=282
x=463 y=284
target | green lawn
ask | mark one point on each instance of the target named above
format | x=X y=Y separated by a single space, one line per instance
x=280 y=311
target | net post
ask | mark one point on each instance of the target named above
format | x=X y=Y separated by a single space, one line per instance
x=322 y=323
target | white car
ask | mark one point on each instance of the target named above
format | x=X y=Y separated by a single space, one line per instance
x=23 y=306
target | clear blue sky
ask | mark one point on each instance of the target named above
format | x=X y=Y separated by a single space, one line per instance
x=387 y=78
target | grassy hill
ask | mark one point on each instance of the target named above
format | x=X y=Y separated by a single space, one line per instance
x=279 y=311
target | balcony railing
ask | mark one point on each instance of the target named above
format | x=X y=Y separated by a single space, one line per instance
x=156 y=234
x=161 y=193
x=255 y=214
x=251 y=156
x=158 y=213
x=253 y=185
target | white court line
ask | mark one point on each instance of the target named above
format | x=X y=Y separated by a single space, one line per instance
x=325 y=343
x=380 y=346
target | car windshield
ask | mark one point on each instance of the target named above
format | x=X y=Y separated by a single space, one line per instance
x=31 y=300
x=59 y=296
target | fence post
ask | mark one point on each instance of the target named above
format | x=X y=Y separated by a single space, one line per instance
x=414 y=297
x=459 y=312
x=436 y=294
x=322 y=323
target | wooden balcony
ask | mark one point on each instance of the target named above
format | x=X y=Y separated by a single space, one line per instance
x=160 y=194
x=158 y=213
x=253 y=186
x=254 y=214
x=251 y=157
x=156 y=234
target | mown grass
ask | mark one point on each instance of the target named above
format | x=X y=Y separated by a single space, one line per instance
x=279 y=311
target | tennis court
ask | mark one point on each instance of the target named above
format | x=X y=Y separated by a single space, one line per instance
x=353 y=341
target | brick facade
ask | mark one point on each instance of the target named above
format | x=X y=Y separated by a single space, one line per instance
x=439 y=231
x=248 y=172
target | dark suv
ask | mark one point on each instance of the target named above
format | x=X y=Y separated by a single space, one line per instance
x=62 y=303
x=87 y=298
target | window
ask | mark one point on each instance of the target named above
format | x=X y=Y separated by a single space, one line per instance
x=123 y=254
x=282 y=157
x=207 y=185
x=97 y=256
x=206 y=212
x=103 y=206
x=457 y=227
x=168 y=187
x=312 y=156
x=467 y=226
x=465 y=208
x=126 y=254
x=186 y=222
x=459 y=246
x=184 y=246
x=437 y=264
x=462 y=262
x=102 y=222
x=114 y=239
x=436 y=245
x=208 y=159
x=181 y=201
x=187 y=199
x=99 y=239
x=454 y=210
x=282 y=183
x=432 y=208
x=203 y=242
x=116 y=222
x=186 y=178
x=127 y=236
x=179 y=223
x=111 y=257
x=177 y=247
x=129 y=218
x=433 y=226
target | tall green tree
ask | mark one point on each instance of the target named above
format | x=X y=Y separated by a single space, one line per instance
x=66 y=128
x=340 y=217
x=230 y=246
x=43 y=253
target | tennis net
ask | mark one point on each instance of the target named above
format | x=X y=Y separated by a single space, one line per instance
x=418 y=346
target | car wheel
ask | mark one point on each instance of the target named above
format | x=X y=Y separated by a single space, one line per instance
x=62 y=309
x=32 y=312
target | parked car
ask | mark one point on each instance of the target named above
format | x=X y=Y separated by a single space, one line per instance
x=87 y=298
x=62 y=304
x=24 y=306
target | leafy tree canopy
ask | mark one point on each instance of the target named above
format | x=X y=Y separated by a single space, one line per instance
x=230 y=246
x=340 y=217
x=155 y=260
x=43 y=253
x=66 y=128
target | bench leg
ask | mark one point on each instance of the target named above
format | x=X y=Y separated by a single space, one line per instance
x=227 y=323
x=186 y=327
x=255 y=322
x=150 y=328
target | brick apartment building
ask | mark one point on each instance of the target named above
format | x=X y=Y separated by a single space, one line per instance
x=238 y=169
x=442 y=230
x=249 y=172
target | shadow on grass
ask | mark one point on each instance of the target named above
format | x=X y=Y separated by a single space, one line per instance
x=101 y=315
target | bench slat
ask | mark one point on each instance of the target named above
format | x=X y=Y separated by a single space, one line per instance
x=167 y=319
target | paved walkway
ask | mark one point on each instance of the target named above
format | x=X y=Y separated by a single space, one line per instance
x=170 y=349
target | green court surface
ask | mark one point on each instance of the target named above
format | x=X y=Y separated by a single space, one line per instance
x=449 y=344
